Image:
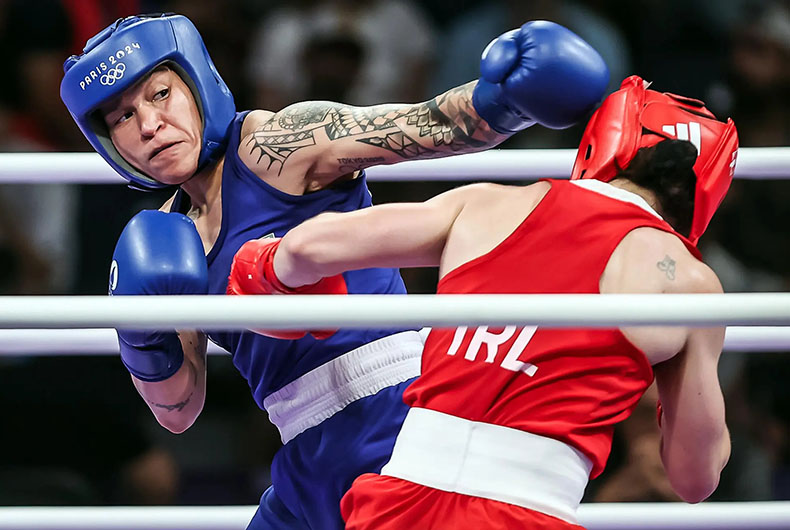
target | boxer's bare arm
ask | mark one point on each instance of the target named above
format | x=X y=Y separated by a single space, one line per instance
x=389 y=235
x=319 y=141
x=695 y=442
x=445 y=231
x=178 y=400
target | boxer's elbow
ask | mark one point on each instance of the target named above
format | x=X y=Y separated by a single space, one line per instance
x=177 y=423
x=696 y=480
x=695 y=489
x=177 y=426
x=181 y=416
x=176 y=402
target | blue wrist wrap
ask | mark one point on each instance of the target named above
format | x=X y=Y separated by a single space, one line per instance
x=159 y=358
x=488 y=102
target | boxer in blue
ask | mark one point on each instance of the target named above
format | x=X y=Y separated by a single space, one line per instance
x=147 y=96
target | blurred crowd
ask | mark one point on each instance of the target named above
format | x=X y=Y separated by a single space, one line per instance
x=74 y=430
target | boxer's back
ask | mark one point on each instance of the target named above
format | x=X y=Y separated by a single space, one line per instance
x=571 y=385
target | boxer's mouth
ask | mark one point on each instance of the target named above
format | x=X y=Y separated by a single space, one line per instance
x=160 y=149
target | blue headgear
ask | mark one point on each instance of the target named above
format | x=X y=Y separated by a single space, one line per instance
x=120 y=55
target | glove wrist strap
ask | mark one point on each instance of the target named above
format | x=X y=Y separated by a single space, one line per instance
x=155 y=362
x=489 y=104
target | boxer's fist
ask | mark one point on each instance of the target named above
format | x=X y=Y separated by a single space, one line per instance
x=252 y=272
x=157 y=253
x=539 y=73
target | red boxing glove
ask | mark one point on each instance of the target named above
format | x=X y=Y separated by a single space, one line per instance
x=252 y=272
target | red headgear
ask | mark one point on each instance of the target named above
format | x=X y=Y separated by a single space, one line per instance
x=634 y=117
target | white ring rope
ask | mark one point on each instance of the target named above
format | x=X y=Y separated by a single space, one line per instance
x=598 y=516
x=365 y=311
x=105 y=342
x=495 y=164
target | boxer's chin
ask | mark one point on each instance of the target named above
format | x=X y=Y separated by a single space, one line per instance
x=175 y=176
x=173 y=180
x=177 y=171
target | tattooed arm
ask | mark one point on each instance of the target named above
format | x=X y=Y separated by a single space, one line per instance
x=178 y=400
x=319 y=141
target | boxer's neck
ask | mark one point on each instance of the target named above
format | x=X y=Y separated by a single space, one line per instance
x=646 y=194
x=204 y=189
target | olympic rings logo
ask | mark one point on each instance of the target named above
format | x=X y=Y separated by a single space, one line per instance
x=113 y=75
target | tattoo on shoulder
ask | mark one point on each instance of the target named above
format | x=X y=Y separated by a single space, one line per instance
x=302 y=116
x=276 y=149
x=667 y=265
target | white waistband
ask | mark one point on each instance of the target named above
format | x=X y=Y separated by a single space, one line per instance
x=490 y=461
x=326 y=390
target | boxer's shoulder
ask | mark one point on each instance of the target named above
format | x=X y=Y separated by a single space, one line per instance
x=255 y=120
x=652 y=260
x=488 y=197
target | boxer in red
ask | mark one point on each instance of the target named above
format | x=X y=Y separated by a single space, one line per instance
x=508 y=424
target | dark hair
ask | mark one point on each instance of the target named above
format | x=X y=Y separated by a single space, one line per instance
x=667 y=169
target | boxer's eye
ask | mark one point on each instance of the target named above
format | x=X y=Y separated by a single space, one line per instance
x=122 y=118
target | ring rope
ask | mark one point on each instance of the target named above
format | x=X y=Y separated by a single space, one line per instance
x=366 y=311
x=103 y=341
x=496 y=164
x=594 y=516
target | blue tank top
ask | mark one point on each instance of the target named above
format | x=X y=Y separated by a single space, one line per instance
x=251 y=209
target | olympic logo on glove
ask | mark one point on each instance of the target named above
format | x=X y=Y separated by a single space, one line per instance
x=113 y=75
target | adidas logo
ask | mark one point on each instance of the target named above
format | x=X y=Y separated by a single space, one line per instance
x=686 y=131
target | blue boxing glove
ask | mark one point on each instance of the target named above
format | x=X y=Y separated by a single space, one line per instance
x=539 y=73
x=157 y=253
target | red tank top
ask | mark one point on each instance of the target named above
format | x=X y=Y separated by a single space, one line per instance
x=572 y=385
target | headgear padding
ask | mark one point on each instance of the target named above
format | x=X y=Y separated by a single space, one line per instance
x=124 y=52
x=635 y=117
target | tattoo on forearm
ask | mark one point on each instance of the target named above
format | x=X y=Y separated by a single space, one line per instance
x=181 y=404
x=175 y=406
x=667 y=265
x=444 y=125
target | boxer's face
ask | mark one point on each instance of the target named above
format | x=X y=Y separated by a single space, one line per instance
x=155 y=125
